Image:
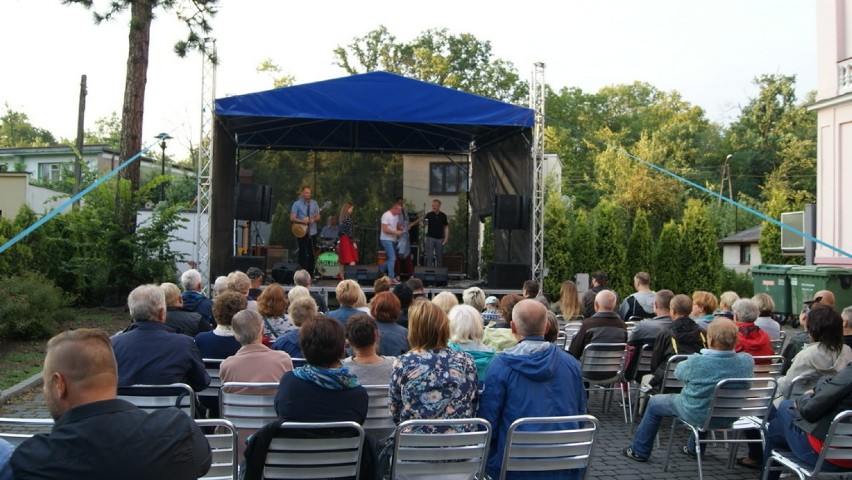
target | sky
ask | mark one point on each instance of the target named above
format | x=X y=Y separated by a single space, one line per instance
x=710 y=52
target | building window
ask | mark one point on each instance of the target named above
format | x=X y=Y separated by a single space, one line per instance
x=49 y=172
x=745 y=254
x=447 y=178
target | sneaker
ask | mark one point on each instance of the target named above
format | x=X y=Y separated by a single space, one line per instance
x=394 y=281
x=687 y=452
x=629 y=453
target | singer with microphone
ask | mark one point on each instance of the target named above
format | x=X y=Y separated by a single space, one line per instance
x=304 y=215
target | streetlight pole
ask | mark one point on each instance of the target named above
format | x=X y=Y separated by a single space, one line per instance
x=163 y=137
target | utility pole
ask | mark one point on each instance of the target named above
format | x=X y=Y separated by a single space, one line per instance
x=78 y=163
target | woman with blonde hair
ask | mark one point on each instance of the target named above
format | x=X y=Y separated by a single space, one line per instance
x=432 y=380
x=446 y=300
x=346 y=250
x=703 y=306
x=569 y=300
x=466 y=334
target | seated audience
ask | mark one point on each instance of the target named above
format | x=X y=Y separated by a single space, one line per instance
x=432 y=380
x=700 y=373
x=569 y=301
x=347 y=294
x=475 y=297
x=647 y=331
x=445 y=300
x=750 y=339
x=639 y=304
x=765 y=321
x=498 y=336
x=417 y=289
x=795 y=343
x=240 y=282
x=220 y=343
x=301 y=311
x=533 y=378
x=381 y=284
x=532 y=290
x=272 y=306
x=193 y=299
x=605 y=326
x=256 y=276
x=491 y=313
x=363 y=335
x=303 y=279
x=385 y=308
x=726 y=304
x=405 y=296
x=6 y=450
x=703 y=308
x=801 y=424
x=182 y=320
x=847 y=326
x=149 y=352
x=253 y=362
x=466 y=334
x=95 y=434
x=681 y=337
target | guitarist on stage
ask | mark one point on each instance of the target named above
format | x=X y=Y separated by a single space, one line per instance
x=304 y=215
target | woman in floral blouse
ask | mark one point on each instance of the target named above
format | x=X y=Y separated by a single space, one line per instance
x=432 y=380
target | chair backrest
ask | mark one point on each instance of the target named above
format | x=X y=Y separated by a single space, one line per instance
x=248 y=405
x=571 y=328
x=212 y=367
x=461 y=454
x=314 y=450
x=550 y=446
x=800 y=385
x=561 y=340
x=631 y=324
x=155 y=397
x=838 y=440
x=768 y=366
x=604 y=362
x=778 y=345
x=734 y=398
x=16 y=430
x=379 y=422
x=223 y=440
x=670 y=383
x=643 y=365
x=298 y=362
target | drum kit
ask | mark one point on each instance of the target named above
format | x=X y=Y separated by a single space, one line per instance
x=327 y=261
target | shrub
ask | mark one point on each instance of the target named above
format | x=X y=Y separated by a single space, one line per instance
x=737 y=282
x=31 y=307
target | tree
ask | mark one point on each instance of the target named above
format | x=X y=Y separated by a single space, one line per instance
x=16 y=130
x=701 y=258
x=194 y=13
x=667 y=266
x=640 y=246
x=583 y=243
x=610 y=227
x=557 y=242
x=279 y=78
x=107 y=132
x=459 y=61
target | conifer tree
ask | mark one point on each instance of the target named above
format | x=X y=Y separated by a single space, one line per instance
x=557 y=242
x=611 y=245
x=667 y=268
x=640 y=246
x=700 y=255
x=582 y=244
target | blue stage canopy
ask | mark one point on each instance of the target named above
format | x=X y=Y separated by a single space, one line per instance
x=375 y=111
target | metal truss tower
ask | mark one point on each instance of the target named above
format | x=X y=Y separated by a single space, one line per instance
x=205 y=161
x=537 y=91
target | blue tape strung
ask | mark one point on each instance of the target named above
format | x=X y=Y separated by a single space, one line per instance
x=733 y=202
x=41 y=221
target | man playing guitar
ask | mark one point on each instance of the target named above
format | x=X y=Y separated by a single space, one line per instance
x=304 y=214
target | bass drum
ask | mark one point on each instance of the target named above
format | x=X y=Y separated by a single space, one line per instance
x=327 y=265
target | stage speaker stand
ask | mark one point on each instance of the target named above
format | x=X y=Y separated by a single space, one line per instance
x=244 y=262
x=432 y=276
x=283 y=272
x=508 y=275
x=363 y=274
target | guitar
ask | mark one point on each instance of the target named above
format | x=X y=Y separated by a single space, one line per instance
x=300 y=229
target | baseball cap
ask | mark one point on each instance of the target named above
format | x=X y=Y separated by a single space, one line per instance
x=815 y=300
x=254 y=272
x=490 y=300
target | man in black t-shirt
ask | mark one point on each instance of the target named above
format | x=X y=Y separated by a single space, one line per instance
x=437 y=234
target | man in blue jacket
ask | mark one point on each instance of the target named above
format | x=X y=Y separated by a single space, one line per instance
x=532 y=379
x=193 y=299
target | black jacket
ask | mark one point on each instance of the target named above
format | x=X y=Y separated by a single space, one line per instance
x=831 y=396
x=682 y=337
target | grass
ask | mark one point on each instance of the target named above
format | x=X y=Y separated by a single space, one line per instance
x=20 y=366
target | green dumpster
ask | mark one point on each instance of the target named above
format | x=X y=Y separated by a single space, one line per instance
x=807 y=280
x=772 y=280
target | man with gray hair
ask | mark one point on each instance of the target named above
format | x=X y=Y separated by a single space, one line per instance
x=97 y=435
x=193 y=299
x=303 y=278
x=605 y=326
x=751 y=339
x=533 y=378
x=149 y=352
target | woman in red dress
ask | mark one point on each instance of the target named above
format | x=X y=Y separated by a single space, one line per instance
x=347 y=253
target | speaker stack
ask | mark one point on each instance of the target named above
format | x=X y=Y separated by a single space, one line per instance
x=508 y=275
x=363 y=274
x=253 y=202
x=511 y=212
x=283 y=272
x=432 y=276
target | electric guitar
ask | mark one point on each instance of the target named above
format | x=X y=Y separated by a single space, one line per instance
x=300 y=229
